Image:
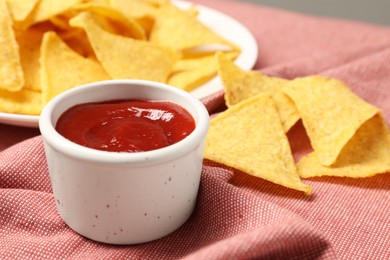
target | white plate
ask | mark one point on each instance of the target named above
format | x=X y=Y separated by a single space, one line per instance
x=221 y=24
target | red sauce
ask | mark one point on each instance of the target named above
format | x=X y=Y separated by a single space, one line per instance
x=126 y=125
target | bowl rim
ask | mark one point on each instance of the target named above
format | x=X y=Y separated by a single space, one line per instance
x=63 y=145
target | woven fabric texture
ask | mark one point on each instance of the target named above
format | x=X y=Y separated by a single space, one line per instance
x=237 y=216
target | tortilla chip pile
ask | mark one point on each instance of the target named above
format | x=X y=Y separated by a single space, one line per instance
x=49 y=46
x=349 y=136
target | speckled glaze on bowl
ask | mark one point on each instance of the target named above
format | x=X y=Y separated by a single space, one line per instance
x=124 y=198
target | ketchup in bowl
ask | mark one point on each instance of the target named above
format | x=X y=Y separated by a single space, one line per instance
x=126 y=125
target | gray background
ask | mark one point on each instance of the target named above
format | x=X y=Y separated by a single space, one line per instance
x=372 y=11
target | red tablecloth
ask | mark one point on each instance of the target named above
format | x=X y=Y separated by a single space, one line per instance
x=237 y=216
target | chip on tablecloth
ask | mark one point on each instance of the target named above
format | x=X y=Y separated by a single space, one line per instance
x=249 y=137
x=59 y=63
x=11 y=72
x=331 y=113
x=365 y=155
x=130 y=58
x=240 y=85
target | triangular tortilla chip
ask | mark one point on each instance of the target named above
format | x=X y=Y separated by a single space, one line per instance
x=11 y=72
x=366 y=154
x=249 y=137
x=176 y=28
x=124 y=57
x=240 y=85
x=62 y=68
x=30 y=44
x=330 y=112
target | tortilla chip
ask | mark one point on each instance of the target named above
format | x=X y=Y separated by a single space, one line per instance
x=240 y=85
x=190 y=79
x=365 y=155
x=129 y=58
x=188 y=31
x=30 y=43
x=25 y=101
x=331 y=113
x=62 y=68
x=11 y=71
x=190 y=73
x=20 y=9
x=249 y=137
x=112 y=20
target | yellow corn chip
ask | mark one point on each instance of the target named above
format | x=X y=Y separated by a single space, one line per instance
x=331 y=113
x=113 y=20
x=11 y=72
x=249 y=137
x=30 y=43
x=365 y=155
x=74 y=69
x=125 y=57
x=25 y=101
x=190 y=73
x=240 y=85
x=176 y=28
x=287 y=111
x=20 y=9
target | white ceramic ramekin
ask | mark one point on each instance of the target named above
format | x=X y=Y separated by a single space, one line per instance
x=124 y=198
